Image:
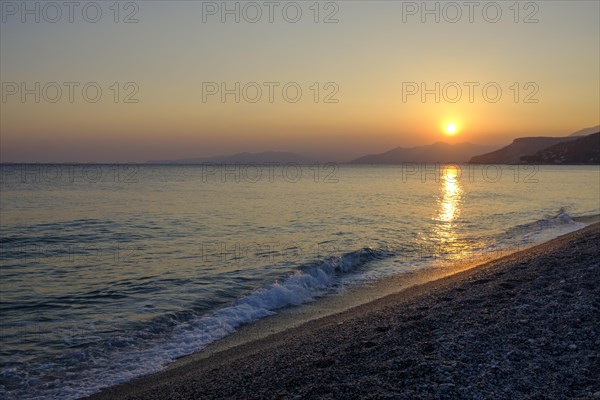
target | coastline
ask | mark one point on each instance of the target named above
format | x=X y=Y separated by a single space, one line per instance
x=293 y=317
x=518 y=326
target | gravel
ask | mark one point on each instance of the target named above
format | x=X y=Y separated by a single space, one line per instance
x=524 y=326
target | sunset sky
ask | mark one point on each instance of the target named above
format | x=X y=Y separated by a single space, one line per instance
x=371 y=56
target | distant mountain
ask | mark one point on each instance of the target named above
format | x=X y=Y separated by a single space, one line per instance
x=242 y=158
x=586 y=131
x=520 y=147
x=439 y=152
x=584 y=150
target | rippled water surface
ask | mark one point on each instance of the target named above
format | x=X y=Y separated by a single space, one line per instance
x=109 y=272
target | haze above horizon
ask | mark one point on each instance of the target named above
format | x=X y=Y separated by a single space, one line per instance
x=138 y=81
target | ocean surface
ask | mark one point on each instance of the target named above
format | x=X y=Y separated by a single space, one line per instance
x=109 y=272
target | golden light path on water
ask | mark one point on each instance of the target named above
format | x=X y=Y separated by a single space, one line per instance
x=451 y=195
x=449 y=209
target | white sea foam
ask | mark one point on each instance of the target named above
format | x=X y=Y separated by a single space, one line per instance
x=301 y=287
x=129 y=357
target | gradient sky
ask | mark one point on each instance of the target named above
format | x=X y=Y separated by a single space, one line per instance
x=369 y=54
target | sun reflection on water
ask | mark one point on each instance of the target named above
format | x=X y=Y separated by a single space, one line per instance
x=451 y=195
x=448 y=211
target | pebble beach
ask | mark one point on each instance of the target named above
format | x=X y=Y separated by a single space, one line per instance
x=522 y=326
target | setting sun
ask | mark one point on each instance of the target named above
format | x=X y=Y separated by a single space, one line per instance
x=451 y=129
x=241 y=174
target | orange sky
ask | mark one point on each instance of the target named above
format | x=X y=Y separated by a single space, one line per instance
x=361 y=79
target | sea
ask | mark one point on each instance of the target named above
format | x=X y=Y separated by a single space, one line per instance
x=110 y=272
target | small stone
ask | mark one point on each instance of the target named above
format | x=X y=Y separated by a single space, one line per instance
x=445 y=387
x=573 y=346
x=368 y=344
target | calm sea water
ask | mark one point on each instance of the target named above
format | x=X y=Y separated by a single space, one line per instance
x=111 y=271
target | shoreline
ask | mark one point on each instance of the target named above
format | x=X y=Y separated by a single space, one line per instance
x=405 y=344
x=292 y=317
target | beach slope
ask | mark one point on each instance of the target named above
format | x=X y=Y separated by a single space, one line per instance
x=523 y=326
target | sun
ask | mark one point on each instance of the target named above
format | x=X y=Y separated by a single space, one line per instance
x=451 y=129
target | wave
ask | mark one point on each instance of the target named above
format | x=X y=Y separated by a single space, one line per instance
x=97 y=363
x=535 y=232
x=303 y=286
x=306 y=284
x=95 y=360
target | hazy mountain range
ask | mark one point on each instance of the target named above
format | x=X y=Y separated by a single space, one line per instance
x=577 y=148
x=439 y=152
x=520 y=147
x=586 y=131
x=265 y=157
x=584 y=150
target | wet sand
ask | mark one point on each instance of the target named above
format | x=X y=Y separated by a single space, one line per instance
x=523 y=326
